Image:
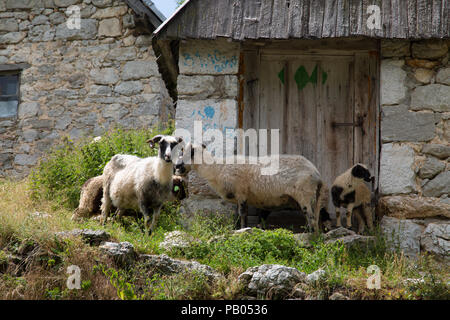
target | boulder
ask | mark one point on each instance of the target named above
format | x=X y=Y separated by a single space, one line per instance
x=272 y=281
x=176 y=240
x=408 y=207
x=338 y=296
x=93 y=237
x=403 y=235
x=316 y=277
x=167 y=266
x=122 y=253
x=436 y=240
x=443 y=76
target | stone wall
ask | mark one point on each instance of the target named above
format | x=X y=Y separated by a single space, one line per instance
x=415 y=150
x=77 y=82
x=208 y=90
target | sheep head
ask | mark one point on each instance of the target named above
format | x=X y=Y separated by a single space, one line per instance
x=167 y=146
x=190 y=153
x=360 y=171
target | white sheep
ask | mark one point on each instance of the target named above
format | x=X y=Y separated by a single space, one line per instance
x=297 y=184
x=350 y=191
x=140 y=184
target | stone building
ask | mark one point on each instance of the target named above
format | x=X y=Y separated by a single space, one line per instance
x=345 y=81
x=60 y=80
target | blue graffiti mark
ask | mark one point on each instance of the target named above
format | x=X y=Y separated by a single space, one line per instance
x=209 y=112
x=219 y=61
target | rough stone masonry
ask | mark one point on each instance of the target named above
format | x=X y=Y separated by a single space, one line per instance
x=75 y=82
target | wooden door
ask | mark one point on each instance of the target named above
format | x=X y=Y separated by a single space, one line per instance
x=324 y=105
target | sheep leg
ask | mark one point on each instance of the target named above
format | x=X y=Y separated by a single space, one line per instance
x=338 y=217
x=106 y=207
x=361 y=222
x=349 y=215
x=243 y=212
x=368 y=215
x=156 y=214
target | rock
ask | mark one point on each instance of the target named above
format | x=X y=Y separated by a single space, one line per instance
x=102 y=3
x=12 y=37
x=122 y=253
x=65 y=3
x=396 y=172
x=57 y=18
x=143 y=41
x=115 y=111
x=96 y=90
x=403 y=235
x=348 y=237
x=87 y=31
x=438 y=186
x=129 y=88
x=41 y=33
x=26 y=160
x=110 y=12
x=128 y=21
x=438 y=150
x=168 y=266
x=429 y=49
x=204 y=87
x=338 y=296
x=393 y=89
x=409 y=207
x=399 y=124
x=109 y=27
x=176 y=240
x=338 y=233
x=436 y=239
x=435 y=97
x=28 y=109
x=395 y=48
x=9 y=25
x=105 y=76
x=420 y=63
x=443 y=76
x=92 y=237
x=431 y=168
x=424 y=75
x=316 y=276
x=122 y=54
x=272 y=281
x=135 y=70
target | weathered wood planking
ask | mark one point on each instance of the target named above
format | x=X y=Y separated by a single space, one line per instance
x=307 y=19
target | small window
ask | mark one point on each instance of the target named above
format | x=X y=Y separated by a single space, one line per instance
x=9 y=94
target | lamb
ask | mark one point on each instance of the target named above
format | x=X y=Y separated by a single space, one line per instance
x=350 y=191
x=139 y=184
x=297 y=185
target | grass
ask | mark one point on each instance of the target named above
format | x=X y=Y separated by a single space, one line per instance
x=33 y=210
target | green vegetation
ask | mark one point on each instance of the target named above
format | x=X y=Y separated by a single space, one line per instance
x=54 y=187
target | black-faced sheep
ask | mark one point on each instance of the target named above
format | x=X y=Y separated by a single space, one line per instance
x=350 y=191
x=296 y=185
x=139 y=184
